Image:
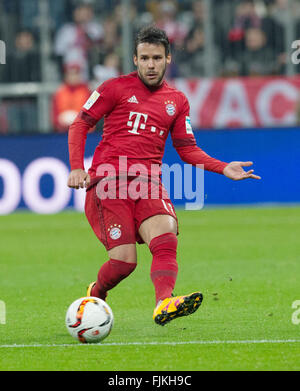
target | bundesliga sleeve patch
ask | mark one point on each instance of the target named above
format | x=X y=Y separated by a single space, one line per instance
x=188 y=126
x=92 y=99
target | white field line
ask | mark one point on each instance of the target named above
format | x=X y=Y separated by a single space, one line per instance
x=216 y=342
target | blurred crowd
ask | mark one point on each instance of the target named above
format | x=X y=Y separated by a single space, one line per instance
x=247 y=37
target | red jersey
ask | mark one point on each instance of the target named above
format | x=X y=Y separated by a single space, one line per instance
x=137 y=121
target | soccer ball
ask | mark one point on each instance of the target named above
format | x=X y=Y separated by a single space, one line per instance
x=89 y=319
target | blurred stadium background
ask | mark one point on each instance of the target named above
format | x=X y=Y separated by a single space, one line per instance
x=235 y=60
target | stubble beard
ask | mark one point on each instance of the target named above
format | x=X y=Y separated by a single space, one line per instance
x=155 y=83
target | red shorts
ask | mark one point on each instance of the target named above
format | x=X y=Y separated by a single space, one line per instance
x=116 y=220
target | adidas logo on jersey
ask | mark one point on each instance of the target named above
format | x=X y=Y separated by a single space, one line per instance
x=133 y=99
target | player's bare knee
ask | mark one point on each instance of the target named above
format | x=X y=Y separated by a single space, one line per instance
x=156 y=226
x=125 y=253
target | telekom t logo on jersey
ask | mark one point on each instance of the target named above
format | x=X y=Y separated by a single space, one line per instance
x=139 y=117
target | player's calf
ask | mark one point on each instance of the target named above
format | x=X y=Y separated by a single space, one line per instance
x=110 y=274
x=164 y=267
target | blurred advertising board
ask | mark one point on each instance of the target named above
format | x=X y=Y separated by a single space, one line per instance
x=34 y=170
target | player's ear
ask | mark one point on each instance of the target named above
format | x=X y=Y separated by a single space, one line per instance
x=169 y=59
x=135 y=60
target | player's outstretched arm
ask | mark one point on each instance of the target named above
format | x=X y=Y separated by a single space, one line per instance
x=235 y=171
x=78 y=178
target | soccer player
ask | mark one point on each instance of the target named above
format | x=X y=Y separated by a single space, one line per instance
x=139 y=110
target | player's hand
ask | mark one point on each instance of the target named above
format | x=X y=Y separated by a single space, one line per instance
x=235 y=171
x=78 y=178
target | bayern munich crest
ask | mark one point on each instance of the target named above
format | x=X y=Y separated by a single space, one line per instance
x=170 y=107
x=114 y=231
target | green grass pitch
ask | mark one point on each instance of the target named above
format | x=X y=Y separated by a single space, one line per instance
x=244 y=260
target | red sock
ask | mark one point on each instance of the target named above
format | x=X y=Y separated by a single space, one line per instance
x=110 y=274
x=164 y=266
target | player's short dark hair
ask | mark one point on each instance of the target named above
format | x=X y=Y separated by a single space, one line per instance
x=153 y=35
